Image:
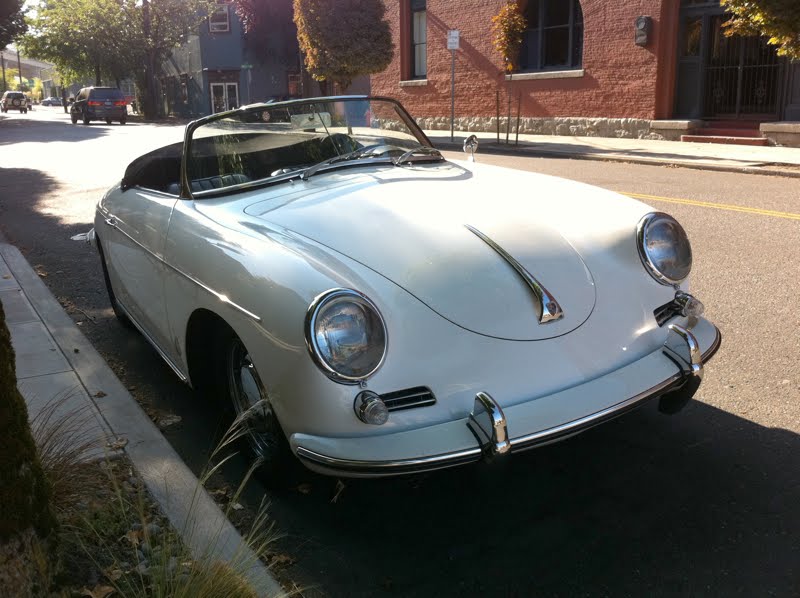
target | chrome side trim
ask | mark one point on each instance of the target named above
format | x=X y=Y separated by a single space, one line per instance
x=222 y=298
x=550 y=309
x=173 y=366
x=488 y=422
x=219 y=296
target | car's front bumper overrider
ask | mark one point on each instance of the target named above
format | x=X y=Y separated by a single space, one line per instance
x=489 y=424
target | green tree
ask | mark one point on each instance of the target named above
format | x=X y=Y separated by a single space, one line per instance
x=342 y=39
x=12 y=21
x=779 y=20
x=114 y=39
x=26 y=521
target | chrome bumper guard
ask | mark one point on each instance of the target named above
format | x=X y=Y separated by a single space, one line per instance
x=488 y=423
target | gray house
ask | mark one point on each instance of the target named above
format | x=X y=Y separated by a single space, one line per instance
x=219 y=69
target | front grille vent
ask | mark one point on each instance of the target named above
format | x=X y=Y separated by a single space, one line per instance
x=419 y=396
x=666 y=312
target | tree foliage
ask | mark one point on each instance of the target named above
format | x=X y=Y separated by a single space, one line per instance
x=12 y=21
x=508 y=27
x=111 y=39
x=779 y=20
x=342 y=39
x=83 y=37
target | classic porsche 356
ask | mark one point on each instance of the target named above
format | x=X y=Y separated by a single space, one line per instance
x=375 y=309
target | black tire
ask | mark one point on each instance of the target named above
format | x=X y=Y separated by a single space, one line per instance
x=86 y=120
x=123 y=319
x=74 y=118
x=108 y=121
x=237 y=382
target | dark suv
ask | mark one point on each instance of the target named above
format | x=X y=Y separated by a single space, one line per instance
x=14 y=100
x=99 y=103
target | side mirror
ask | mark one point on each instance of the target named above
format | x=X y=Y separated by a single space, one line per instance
x=471 y=146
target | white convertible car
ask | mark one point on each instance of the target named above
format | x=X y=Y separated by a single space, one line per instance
x=375 y=309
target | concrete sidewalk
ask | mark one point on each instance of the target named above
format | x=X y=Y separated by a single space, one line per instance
x=783 y=161
x=55 y=361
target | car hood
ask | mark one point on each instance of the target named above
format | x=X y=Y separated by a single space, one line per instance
x=413 y=226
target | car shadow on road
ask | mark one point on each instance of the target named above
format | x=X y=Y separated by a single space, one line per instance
x=703 y=503
x=20 y=130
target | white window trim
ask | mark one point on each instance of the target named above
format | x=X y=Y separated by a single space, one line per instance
x=570 y=74
x=217 y=27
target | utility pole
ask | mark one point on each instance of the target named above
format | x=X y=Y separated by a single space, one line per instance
x=3 y=61
x=149 y=67
x=19 y=66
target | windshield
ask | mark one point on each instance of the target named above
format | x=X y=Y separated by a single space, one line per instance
x=273 y=142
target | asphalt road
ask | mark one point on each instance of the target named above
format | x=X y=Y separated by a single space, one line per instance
x=704 y=503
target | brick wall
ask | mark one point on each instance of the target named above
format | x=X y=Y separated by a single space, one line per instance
x=620 y=79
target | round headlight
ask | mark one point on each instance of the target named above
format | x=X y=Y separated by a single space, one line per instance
x=664 y=248
x=346 y=335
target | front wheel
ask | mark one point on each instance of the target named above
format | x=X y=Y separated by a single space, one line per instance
x=241 y=383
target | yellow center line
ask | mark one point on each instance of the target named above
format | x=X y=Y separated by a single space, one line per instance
x=717 y=206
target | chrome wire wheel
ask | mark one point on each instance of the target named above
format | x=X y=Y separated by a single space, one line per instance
x=251 y=403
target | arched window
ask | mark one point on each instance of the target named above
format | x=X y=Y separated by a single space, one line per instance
x=554 y=38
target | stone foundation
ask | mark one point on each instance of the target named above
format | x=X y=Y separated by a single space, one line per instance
x=627 y=128
x=782 y=133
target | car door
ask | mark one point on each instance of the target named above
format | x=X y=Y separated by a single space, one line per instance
x=133 y=235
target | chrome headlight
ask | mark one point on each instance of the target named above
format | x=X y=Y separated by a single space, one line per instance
x=664 y=248
x=346 y=335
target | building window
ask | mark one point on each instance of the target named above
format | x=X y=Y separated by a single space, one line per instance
x=419 y=40
x=554 y=38
x=219 y=21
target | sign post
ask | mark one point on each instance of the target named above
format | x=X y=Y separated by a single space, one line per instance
x=452 y=45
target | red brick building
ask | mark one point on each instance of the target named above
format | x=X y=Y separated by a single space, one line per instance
x=588 y=66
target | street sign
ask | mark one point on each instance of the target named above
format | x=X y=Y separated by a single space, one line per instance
x=452 y=39
x=247 y=66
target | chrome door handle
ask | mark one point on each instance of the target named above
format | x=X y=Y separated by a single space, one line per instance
x=111 y=221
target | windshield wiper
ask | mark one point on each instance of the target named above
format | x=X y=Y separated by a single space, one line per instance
x=362 y=152
x=423 y=150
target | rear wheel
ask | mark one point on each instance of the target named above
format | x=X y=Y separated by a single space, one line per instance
x=85 y=119
x=239 y=382
x=123 y=319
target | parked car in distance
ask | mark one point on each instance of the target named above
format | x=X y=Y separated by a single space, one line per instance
x=51 y=102
x=99 y=103
x=371 y=308
x=14 y=100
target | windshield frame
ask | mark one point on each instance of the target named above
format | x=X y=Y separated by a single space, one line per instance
x=185 y=187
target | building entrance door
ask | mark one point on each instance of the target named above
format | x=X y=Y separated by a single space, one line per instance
x=742 y=75
x=224 y=96
x=724 y=77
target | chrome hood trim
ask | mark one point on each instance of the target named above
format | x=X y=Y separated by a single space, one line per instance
x=549 y=309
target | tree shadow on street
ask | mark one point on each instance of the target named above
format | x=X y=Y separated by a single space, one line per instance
x=20 y=130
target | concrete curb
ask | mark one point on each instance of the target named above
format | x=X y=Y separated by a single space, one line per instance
x=524 y=149
x=203 y=526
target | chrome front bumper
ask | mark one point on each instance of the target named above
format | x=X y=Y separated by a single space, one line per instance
x=489 y=425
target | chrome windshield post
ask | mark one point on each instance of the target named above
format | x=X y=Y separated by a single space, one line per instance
x=488 y=423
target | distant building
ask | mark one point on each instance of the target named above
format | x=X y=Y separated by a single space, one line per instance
x=216 y=70
x=587 y=67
